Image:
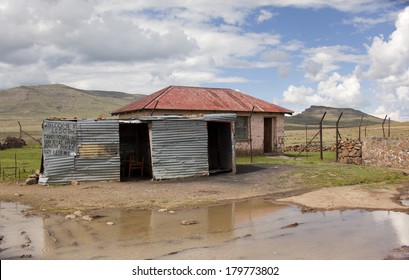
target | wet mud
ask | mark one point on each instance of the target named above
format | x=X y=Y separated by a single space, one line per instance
x=249 y=229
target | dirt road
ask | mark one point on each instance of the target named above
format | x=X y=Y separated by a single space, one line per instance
x=271 y=181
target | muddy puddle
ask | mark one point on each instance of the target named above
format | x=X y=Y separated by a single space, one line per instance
x=253 y=229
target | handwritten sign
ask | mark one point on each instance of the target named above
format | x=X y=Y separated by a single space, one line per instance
x=59 y=138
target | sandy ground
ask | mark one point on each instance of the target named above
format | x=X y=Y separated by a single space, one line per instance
x=270 y=181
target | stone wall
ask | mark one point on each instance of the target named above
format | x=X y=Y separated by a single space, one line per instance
x=350 y=151
x=386 y=152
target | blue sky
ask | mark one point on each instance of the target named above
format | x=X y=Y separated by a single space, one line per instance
x=294 y=53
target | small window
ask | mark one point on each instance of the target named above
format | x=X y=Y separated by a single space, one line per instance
x=242 y=128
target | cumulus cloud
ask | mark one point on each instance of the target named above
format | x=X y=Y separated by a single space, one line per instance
x=336 y=91
x=390 y=58
x=142 y=45
x=72 y=35
x=264 y=15
x=389 y=67
x=322 y=61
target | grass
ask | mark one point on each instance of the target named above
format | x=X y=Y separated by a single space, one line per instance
x=27 y=160
x=311 y=172
x=301 y=136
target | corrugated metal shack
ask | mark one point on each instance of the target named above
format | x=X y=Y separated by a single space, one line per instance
x=166 y=147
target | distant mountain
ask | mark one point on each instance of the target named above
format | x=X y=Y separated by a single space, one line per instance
x=313 y=115
x=28 y=106
x=57 y=100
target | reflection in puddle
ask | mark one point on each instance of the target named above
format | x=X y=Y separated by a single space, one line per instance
x=252 y=229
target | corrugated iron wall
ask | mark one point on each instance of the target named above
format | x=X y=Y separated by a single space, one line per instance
x=59 y=169
x=94 y=157
x=89 y=150
x=179 y=149
x=98 y=156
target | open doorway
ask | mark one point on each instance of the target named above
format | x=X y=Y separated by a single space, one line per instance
x=219 y=147
x=269 y=142
x=134 y=151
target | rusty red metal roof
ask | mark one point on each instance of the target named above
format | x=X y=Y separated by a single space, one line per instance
x=201 y=99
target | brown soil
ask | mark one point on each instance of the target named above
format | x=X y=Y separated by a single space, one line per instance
x=270 y=181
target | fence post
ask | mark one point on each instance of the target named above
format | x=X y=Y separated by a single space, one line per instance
x=359 y=133
x=336 y=138
x=306 y=138
x=366 y=125
x=251 y=138
x=321 y=152
x=15 y=166
x=383 y=123
x=21 y=134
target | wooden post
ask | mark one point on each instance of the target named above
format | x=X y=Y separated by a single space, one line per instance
x=366 y=125
x=251 y=138
x=383 y=123
x=336 y=138
x=360 y=124
x=15 y=166
x=306 y=139
x=19 y=124
x=321 y=146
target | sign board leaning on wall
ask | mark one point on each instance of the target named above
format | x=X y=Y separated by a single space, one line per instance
x=59 y=138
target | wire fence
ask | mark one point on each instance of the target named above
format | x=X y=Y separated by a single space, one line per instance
x=20 y=153
x=19 y=163
x=311 y=137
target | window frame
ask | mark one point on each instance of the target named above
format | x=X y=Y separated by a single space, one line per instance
x=242 y=128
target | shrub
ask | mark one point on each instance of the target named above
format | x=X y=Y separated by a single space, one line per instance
x=12 y=142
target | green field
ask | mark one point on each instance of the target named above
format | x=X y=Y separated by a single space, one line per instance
x=18 y=164
x=311 y=172
x=300 y=136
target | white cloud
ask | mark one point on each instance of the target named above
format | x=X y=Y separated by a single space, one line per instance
x=364 y=23
x=391 y=57
x=389 y=67
x=12 y=75
x=336 y=91
x=142 y=45
x=322 y=61
x=301 y=95
x=264 y=15
x=72 y=35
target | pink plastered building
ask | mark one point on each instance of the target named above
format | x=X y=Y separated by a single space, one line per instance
x=259 y=126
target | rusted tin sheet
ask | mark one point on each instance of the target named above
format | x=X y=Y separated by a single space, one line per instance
x=201 y=99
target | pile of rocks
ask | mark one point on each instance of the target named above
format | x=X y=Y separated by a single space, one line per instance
x=350 y=151
x=33 y=179
x=310 y=148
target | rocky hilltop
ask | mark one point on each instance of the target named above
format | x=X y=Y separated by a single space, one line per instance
x=313 y=115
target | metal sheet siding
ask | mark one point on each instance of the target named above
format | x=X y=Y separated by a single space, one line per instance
x=96 y=157
x=179 y=149
x=97 y=169
x=99 y=143
x=59 y=169
x=220 y=117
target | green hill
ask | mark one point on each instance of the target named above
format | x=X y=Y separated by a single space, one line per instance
x=313 y=115
x=31 y=104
